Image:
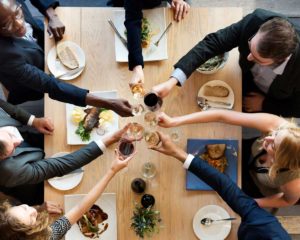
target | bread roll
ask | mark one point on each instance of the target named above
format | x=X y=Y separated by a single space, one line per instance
x=215 y=91
x=216 y=151
x=67 y=56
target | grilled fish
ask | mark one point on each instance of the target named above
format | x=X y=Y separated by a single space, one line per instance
x=91 y=118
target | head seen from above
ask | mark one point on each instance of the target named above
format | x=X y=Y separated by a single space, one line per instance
x=275 y=40
x=283 y=146
x=8 y=144
x=23 y=222
x=12 y=23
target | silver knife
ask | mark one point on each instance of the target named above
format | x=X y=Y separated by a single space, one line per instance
x=123 y=40
x=71 y=72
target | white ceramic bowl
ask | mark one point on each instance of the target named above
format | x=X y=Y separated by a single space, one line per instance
x=225 y=59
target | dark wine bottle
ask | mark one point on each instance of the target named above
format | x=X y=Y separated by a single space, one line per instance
x=147 y=200
x=138 y=185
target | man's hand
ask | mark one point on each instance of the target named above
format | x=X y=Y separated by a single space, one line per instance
x=180 y=8
x=169 y=148
x=51 y=207
x=121 y=107
x=165 y=121
x=253 y=102
x=55 y=27
x=43 y=125
x=137 y=76
x=163 y=89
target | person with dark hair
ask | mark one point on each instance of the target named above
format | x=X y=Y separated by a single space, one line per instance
x=22 y=60
x=133 y=24
x=23 y=222
x=269 y=58
x=256 y=223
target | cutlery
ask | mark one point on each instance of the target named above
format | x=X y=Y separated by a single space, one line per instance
x=123 y=40
x=164 y=32
x=209 y=221
x=70 y=174
x=68 y=73
x=205 y=103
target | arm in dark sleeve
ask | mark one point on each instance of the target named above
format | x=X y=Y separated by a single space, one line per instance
x=213 y=44
x=43 y=5
x=242 y=204
x=133 y=24
x=32 y=77
x=35 y=169
x=15 y=112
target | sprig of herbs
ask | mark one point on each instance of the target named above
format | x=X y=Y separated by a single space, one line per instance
x=84 y=135
x=145 y=221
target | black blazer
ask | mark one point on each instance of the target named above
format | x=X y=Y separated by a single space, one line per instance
x=283 y=97
x=22 y=67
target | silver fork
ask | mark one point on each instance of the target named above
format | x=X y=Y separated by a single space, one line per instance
x=164 y=32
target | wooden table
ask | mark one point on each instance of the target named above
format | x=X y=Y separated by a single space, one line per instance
x=88 y=27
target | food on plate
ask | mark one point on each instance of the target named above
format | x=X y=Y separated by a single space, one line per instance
x=91 y=223
x=212 y=63
x=92 y=119
x=67 y=55
x=215 y=91
x=77 y=114
x=215 y=156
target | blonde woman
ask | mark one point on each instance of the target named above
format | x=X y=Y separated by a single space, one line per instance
x=277 y=172
x=25 y=222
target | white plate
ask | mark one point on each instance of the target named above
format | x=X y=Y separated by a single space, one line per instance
x=73 y=138
x=107 y=202
x=157 y=22
x=228 y=99
x=57 y=68
x=225 y=59
x=65 y=182
x=217 y=230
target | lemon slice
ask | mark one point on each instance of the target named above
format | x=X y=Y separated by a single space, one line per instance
x=77 y=115
x=106 y=116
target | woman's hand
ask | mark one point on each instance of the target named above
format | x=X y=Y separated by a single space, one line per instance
x=120 y=162
x=137 y=76
x=43 y=125
x=51 y=207
x=181 y=9
x=165 y=121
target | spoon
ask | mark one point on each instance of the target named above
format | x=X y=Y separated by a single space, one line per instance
x=209 y=221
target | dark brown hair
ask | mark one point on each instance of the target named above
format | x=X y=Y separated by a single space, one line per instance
x=279 y=39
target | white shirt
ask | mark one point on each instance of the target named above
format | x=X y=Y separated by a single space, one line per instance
x=14 y=132
x=29 y=33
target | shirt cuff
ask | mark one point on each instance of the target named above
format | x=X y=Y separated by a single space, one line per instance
x=188 y=161
x=179 y=75
x=101 y=145
x=30 y=120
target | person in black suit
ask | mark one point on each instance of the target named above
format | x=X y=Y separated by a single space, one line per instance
x=22 y=61
x=133 y=22
x=269 y=58
x=256 y=223
x=23 y=165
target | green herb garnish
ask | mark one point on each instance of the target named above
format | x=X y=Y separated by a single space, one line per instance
x=90 y=226
x=84 y=135
x=145 y=221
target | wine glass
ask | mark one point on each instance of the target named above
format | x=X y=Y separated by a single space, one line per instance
x=137 y=90
x=153 y=101
x=152 y=138
x=151 y=119
x=135 y=131
x=125 y=147
x=148 y=170
x=137 y=109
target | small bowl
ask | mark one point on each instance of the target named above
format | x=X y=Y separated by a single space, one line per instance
x=225 y=59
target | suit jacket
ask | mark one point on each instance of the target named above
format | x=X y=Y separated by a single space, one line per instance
x=256 y=222
x=22 y=66
x=283 y=97
x=27 y=164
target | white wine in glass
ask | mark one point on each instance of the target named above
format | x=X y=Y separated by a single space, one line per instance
x=152 y=138
x=138 y=109
x=149 y=170
x=151 y=119
x=136 y=131
x=138 y=90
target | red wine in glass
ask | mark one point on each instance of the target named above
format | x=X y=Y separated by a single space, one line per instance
x=126 y=148
x=152 y=101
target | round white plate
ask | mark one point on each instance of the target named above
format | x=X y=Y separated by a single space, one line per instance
x=57 y=68
x=215 y=231
x=229 y=99
x=65 y=182
x=225 y=59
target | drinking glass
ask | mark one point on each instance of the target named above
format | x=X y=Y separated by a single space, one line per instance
x=125 y=147
x=137 y=90
x=135 y=131
x=148 y=170
x=151 y=119
x=137 y=109
x=153 y=101
x=175 y=135
x=152 y=138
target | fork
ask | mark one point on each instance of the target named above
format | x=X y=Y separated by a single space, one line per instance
x=164 y=32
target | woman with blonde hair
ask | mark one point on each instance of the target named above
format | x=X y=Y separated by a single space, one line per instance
x=18 y=222
x=275 y=156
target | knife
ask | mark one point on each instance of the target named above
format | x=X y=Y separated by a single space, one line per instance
x=123 y=40
x=71 y=72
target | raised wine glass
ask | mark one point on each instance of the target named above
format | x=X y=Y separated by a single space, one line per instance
x=153 y=101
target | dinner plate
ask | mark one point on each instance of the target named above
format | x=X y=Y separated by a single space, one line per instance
x=107 y=202
x=157 y=20
x=215 y=231
x=65 y=182
x=57 y=68
x=229 y=99
x=73 y=138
